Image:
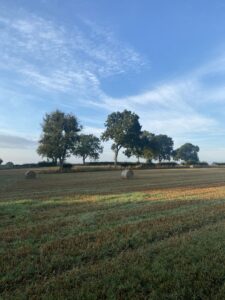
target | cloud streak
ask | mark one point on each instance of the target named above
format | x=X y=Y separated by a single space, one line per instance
x=12 y=141
x=55 y=58
x=178 y=107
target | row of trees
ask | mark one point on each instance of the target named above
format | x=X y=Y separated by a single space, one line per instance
x=61 y=138
x=124 y=129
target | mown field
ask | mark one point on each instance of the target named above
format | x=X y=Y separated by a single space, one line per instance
x=95 y=236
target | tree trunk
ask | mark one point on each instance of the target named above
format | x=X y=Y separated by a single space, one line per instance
x=116 y=156
x=61 y=161
x=54 y=161
x=83 y=160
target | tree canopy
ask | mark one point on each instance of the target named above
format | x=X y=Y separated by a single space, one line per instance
x=187 y=152
x=9 y=165
x=124 y=129
x=60 y=139
x=144 y=147
x=1 y=161
x=163 y=147
x=60 y=133
x=88 y=146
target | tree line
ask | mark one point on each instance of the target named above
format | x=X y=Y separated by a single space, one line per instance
x=61 y=137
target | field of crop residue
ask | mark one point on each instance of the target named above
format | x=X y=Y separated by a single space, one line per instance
x=95 y=236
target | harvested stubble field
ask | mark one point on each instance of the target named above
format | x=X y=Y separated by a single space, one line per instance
x=96 y=236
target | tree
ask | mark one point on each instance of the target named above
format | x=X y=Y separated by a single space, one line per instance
x=135 y=149
x=187 y=153
x=9 y=165
x=1 y=161
x=164 y=147
x=60 y=134
x=88 y=146
x=124 y=129
x=144 y=147
x=150 y=148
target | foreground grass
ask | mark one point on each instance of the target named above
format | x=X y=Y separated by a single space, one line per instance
x=158 y=244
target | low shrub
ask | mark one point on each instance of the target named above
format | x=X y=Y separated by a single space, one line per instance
x=67 y=166
x=46 y=164
x=171 y=164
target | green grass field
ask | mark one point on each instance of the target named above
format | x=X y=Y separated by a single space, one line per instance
x=96 y=236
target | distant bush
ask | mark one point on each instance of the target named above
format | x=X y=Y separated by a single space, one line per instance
x=26 y=166
x=111 y=163
x=46 y=164
x=127 y=164
x=192 y=162
x=219 y=163
x=95 y=168
x=197 y=165
x=171 y=164
x=122 y=164
x=202 y=163
x=9 y=165
x=67 y=166
x=144 y=166
x=189 y=162
x=40 y=164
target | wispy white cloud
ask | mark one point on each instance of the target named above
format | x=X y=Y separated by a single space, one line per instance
x=178 y=107
x=55 y=58
x=93 y=130
x=12 y=141
x=168 y=108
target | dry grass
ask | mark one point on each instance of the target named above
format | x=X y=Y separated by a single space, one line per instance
x=71 y=240
x=14 y=186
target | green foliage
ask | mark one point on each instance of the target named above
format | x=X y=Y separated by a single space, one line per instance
x=45 y=164
x=163 y=147
x=150 y=146
x=9 y=165
x=124 y=129
x=67 y=166
x=88 y=146
x=144 y=146
x=219 y=163
x=60 y=139
x=60 y=133
x=1 y=161
x=187 y=153
x=166 y=165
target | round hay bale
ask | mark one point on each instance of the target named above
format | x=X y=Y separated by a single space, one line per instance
x=127 y=174
x=30 y=175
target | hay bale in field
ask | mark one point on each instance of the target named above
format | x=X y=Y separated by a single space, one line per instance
x=30 y=175
x=127 y=174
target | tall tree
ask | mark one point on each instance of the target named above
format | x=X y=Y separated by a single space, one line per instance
x=164 y=147
x=187 y=152
x=88 y=146
x=150 y=148
x=124 y=129
x=60 y=133
x=1 y=161
x=144 y=147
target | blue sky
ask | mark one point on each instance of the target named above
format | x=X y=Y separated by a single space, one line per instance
x=165 y=60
